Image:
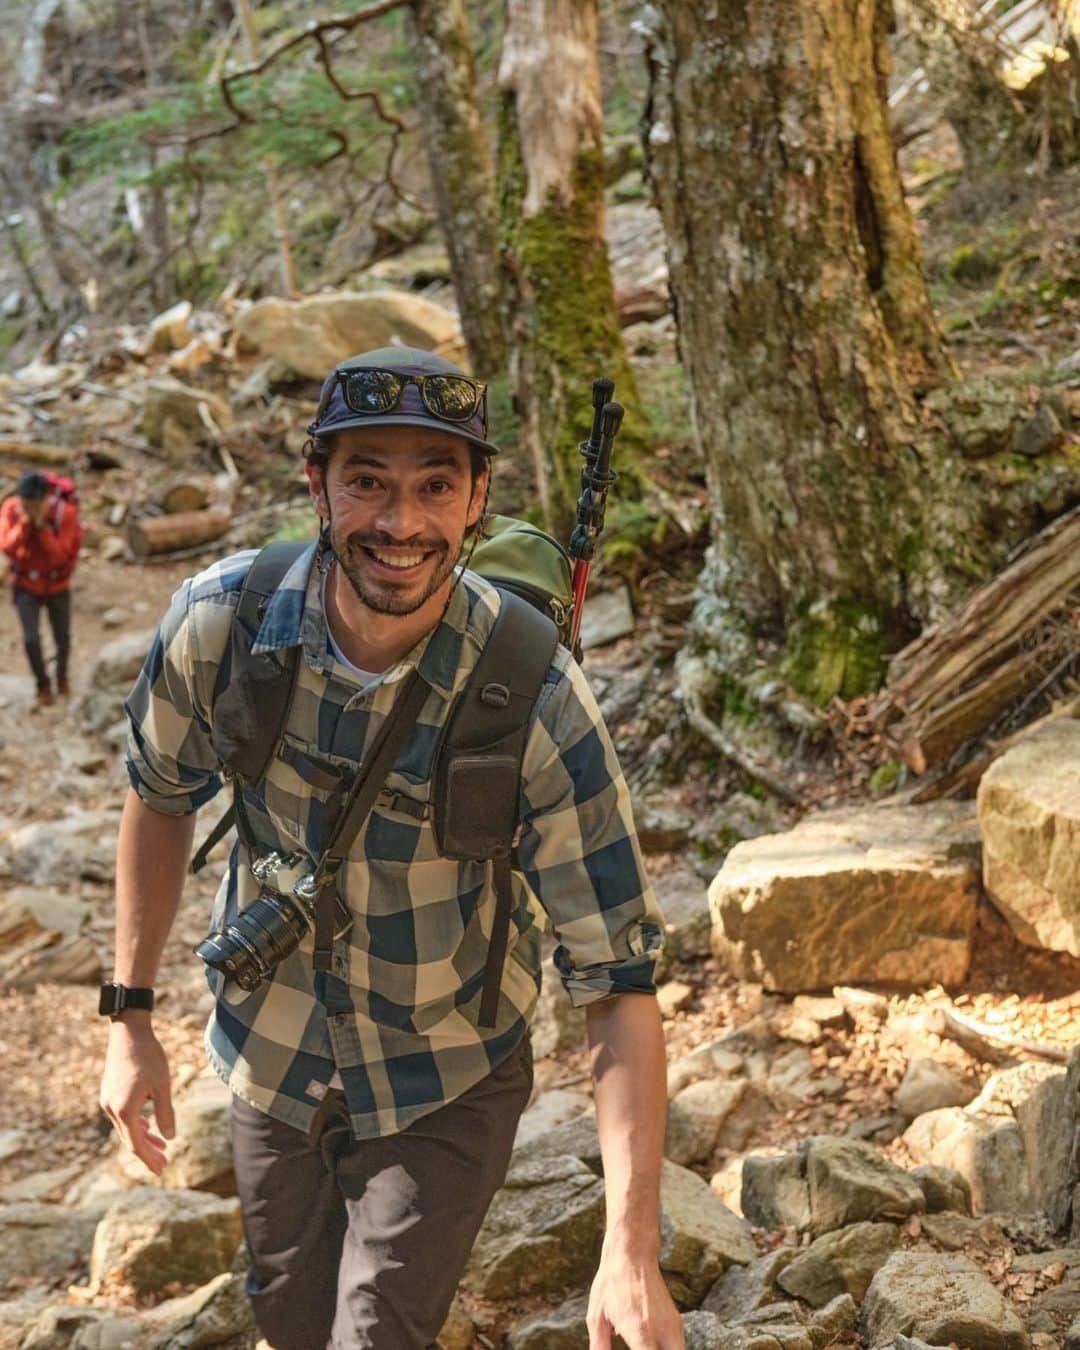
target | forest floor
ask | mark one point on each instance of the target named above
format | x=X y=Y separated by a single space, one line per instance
x=1005 y=267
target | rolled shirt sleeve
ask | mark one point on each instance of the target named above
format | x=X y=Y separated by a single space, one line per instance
x=578 y=848
x=170 y=760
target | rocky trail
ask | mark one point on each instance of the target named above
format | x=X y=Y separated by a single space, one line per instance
x=874 y=1116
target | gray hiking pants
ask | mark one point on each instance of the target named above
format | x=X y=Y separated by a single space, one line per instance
x=29 y=607
x=359 y=1244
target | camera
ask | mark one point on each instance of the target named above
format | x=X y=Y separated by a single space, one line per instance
x=271 y=927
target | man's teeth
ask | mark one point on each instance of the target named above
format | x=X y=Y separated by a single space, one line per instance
x=401 y=560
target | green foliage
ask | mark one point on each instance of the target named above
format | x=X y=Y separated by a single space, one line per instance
x=665 y=396
x=301 y=525
x=970 y=263
x=888 y=776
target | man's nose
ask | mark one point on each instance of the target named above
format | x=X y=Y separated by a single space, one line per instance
x=400 y=516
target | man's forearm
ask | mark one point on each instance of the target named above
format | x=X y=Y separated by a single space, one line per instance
x=630 y=1091
x=152 y=854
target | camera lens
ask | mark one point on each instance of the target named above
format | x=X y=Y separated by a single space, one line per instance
x=257 y=940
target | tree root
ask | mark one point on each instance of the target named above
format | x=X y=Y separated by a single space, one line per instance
x=689 y=676
x=978 y=1039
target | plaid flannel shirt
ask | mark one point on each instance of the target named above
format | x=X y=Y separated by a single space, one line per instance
x=396 y=1014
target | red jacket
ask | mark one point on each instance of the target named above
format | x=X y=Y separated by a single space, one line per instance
x=42 y=560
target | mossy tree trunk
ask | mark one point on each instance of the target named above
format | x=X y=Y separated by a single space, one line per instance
x=463 y=173
x=961 y=63
x=805 y=327
x=564 y=325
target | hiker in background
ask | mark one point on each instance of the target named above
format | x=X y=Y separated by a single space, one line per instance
x=41 y=534
x=375 y=1103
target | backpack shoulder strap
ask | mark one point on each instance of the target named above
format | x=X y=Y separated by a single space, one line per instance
x=478 y=768
x=252 y=693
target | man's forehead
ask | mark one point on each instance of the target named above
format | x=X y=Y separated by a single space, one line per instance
x=413 y=447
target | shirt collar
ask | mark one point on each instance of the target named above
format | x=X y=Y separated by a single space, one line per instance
x=295 y=617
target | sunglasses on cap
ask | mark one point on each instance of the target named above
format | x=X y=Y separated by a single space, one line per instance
x=451 y=398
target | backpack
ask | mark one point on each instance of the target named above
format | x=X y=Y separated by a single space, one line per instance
x=477 y=768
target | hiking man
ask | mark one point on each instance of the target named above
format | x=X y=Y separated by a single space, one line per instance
x=374 y=1111
x=41 y=534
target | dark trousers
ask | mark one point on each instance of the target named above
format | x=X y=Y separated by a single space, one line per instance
x=359 y=1244
x=29 y=607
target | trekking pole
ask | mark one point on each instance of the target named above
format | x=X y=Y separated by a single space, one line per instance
x=597 y=477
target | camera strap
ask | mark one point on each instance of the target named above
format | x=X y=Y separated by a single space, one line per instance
x=399 y=723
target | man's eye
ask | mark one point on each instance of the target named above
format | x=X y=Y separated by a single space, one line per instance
x=364 y=482
x=438 y=487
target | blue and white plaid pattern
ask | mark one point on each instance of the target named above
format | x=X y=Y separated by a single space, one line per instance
x=396 y=1014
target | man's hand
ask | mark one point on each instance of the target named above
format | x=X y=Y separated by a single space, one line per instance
x=629 y=1297
x=35 y=511
x=137 y=1072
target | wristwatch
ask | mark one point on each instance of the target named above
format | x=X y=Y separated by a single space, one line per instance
x=114 y=998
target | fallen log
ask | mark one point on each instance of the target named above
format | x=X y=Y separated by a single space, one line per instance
x=945 y=658
x=1013 y=637
x=14 y=448
x=190 y=495
x=150 y=535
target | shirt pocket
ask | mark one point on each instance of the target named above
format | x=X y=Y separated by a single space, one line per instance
x=303 y=793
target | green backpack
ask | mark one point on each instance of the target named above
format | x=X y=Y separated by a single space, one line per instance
x=477 y=771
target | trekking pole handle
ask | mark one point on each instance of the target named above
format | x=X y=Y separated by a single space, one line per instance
x=596 y=478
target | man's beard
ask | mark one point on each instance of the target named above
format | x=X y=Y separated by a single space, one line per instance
x=385 y=597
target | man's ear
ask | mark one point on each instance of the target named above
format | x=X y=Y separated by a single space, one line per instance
x=317 y=487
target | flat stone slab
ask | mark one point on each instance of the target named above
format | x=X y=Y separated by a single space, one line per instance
x=871 y=895
x=1029 y=814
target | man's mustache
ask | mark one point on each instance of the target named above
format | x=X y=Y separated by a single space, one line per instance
x=360 y=540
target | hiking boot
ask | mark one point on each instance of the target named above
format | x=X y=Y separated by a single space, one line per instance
x=63 y=689
x=45 y=697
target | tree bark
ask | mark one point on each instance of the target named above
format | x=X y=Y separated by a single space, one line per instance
x=805 y=327
x=463 y=174
x=289 y=287
x=564 y=325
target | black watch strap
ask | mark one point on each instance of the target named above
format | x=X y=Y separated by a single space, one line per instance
x=114 y=998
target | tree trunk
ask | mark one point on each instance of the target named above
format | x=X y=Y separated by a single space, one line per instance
x=289 y=287
x=961 y=62
x=805 y=327
x=463 y=173
x=564 y=326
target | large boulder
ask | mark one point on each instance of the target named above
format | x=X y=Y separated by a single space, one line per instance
x=544 y=1229
x=849 y=896
x=1029 y=814
x=190 y=413
x=201 y=1157
x=217 y=1314
x=842 y=1262
x=1013 y=1144
x=700 y=1237
x=940 y=1299
x=696 y=1116
x=315 y=334
x=153 y=1237
x=42 y=1241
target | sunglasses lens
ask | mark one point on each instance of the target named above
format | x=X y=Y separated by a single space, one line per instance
x=451 y=397
x=372 y=391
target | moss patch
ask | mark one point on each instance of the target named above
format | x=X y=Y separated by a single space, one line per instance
x=835 y=649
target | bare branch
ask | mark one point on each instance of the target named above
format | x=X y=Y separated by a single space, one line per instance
x=340 y=23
